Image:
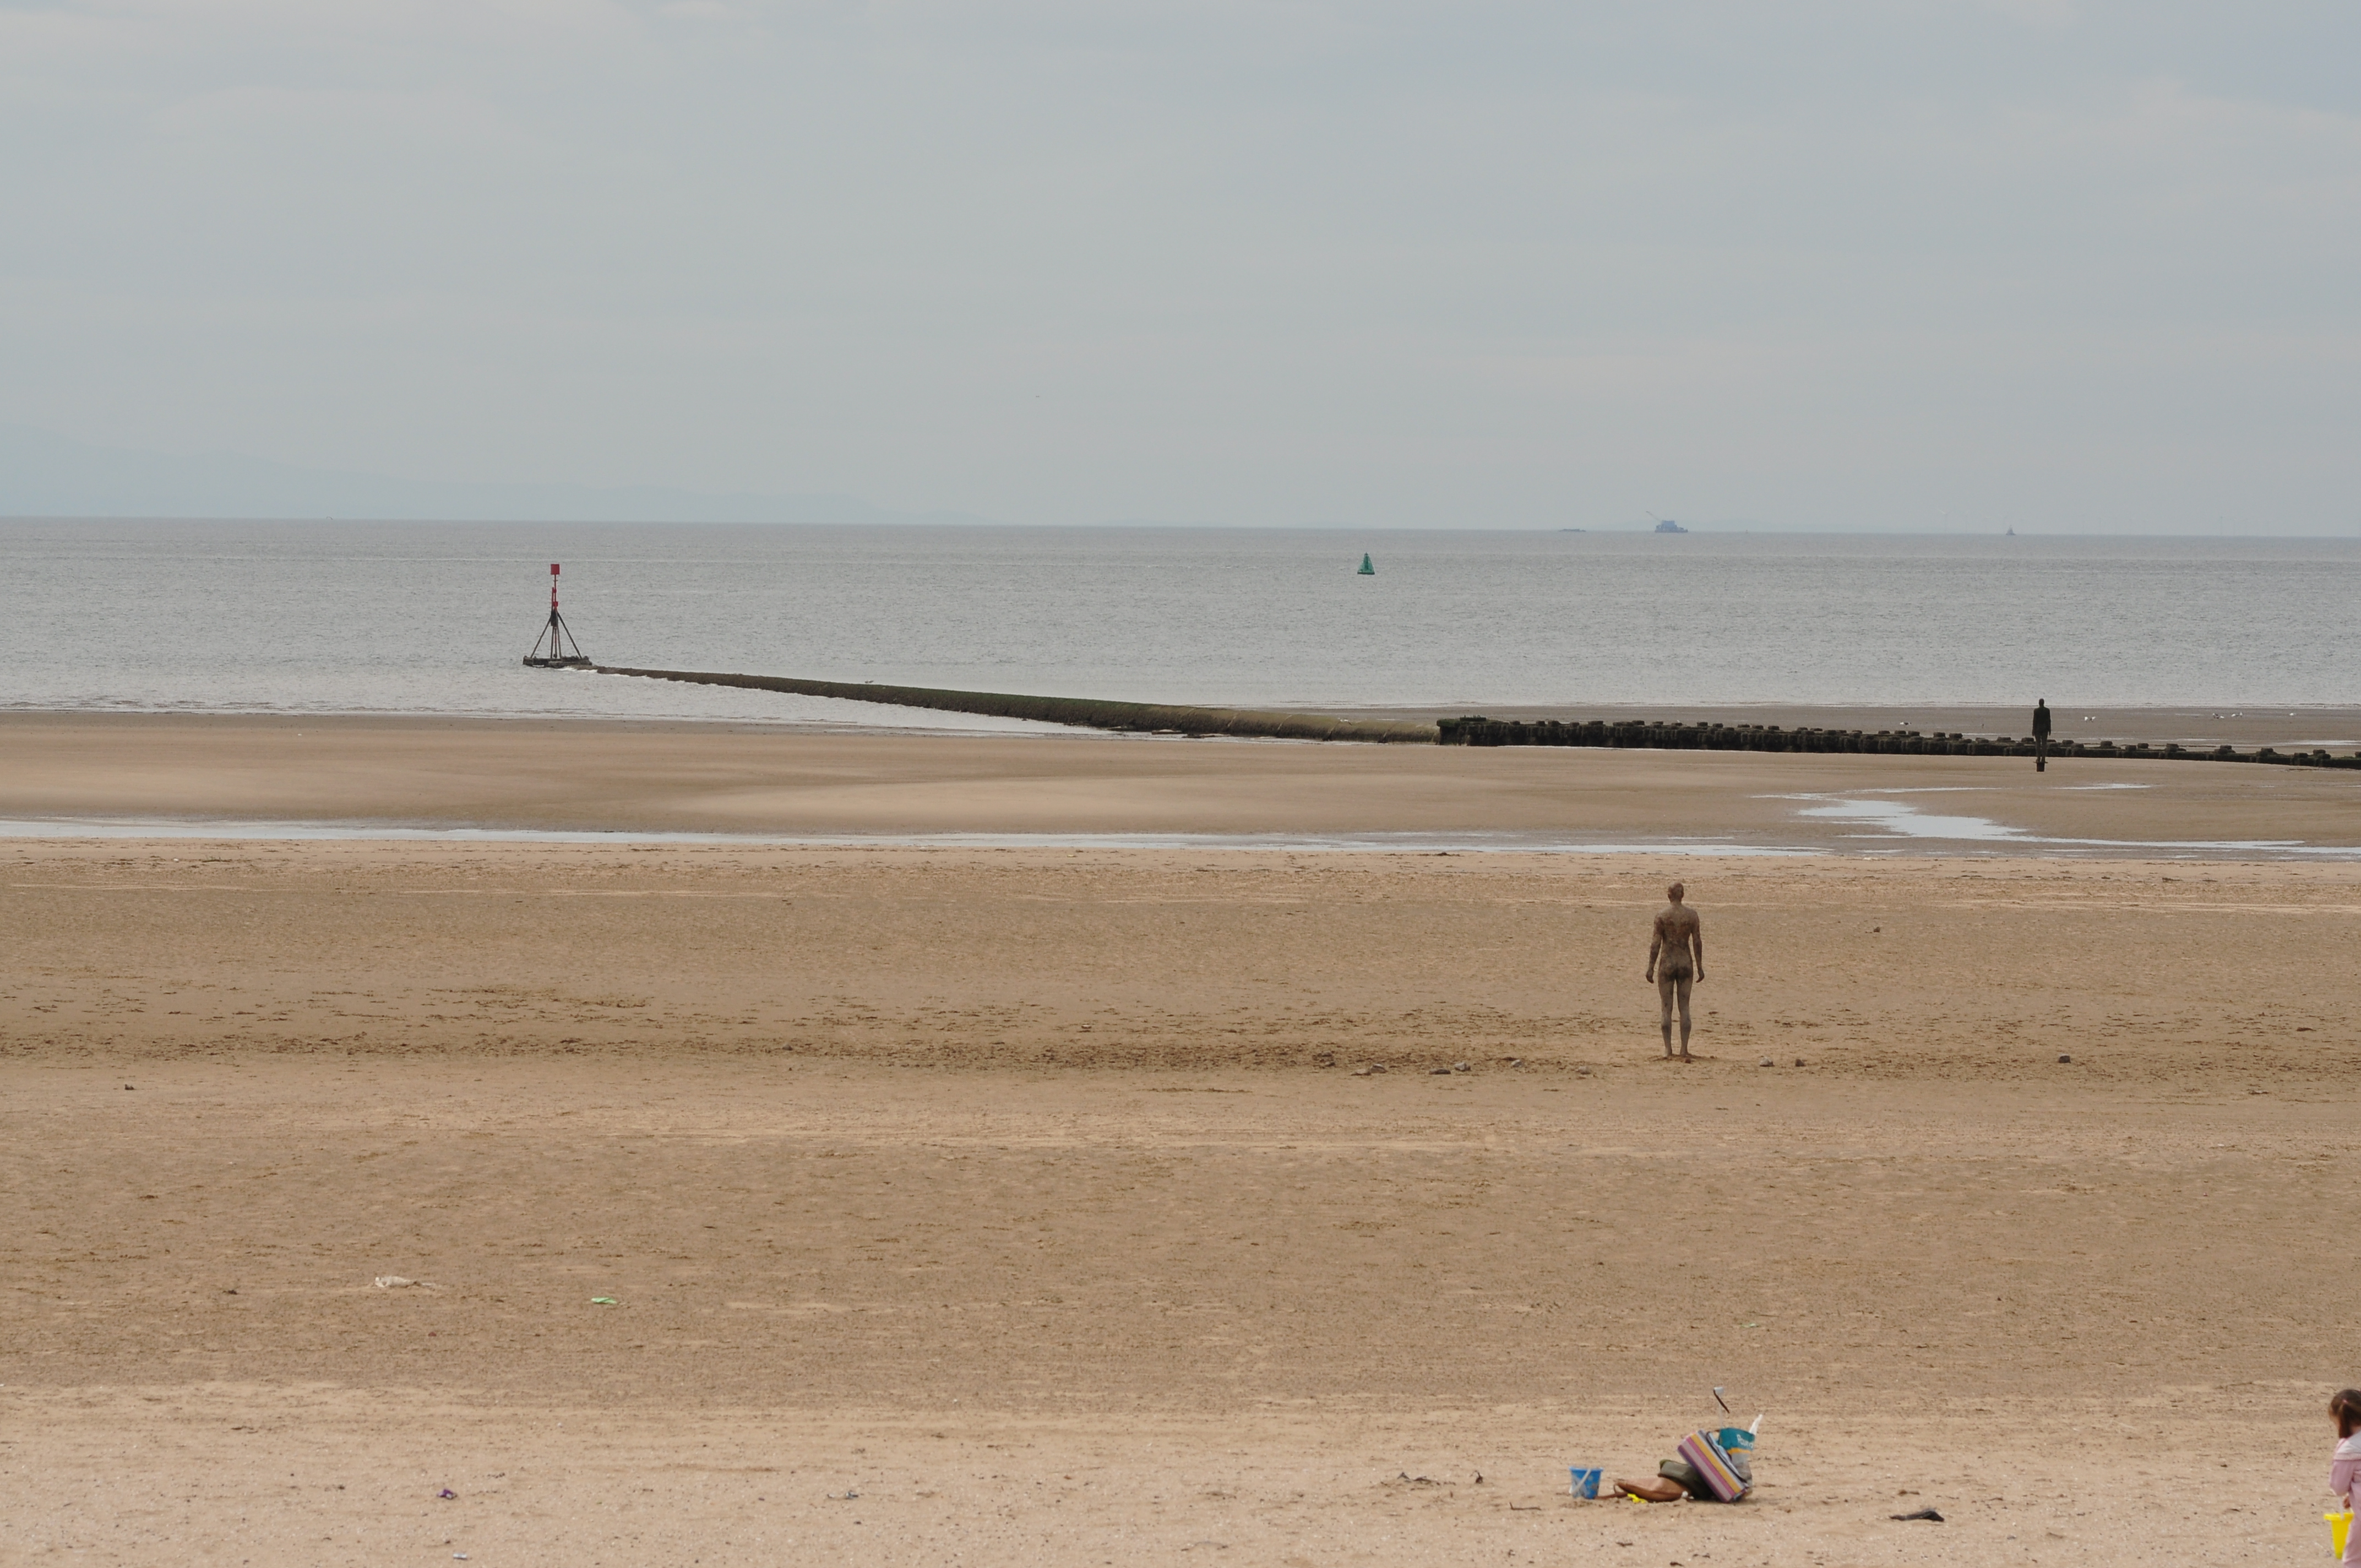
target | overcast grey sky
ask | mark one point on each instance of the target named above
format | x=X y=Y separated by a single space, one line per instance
x=1831 y=263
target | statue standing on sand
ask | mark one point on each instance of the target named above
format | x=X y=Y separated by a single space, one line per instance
x=2041 y=736
x=1676 y=960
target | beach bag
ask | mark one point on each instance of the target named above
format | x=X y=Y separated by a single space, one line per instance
x=1703 y=1453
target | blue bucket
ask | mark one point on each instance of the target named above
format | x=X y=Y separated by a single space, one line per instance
x=1585 y=1482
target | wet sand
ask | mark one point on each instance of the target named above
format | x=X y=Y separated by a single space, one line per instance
x=1037 y=1196
x=715 y=779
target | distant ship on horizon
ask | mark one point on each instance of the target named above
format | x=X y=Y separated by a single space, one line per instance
x=1666 y=525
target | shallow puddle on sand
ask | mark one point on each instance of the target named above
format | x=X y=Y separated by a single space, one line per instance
x=1892 y=823
x=1395 y=843
x=1898 y=819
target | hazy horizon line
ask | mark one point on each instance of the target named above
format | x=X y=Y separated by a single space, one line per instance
x=1134 y=525
x=47 y=476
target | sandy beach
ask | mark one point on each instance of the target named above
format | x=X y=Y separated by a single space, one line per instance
x=650 y=777
x=1035 y=1203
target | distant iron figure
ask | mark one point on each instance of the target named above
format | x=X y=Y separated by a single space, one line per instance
x=1369 y=568
x=564 y=653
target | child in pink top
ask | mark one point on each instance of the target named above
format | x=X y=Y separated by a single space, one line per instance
x=2345 y=1470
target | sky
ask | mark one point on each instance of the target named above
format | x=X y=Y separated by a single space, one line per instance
x=1952 y=265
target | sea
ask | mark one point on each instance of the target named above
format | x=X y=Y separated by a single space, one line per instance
x=374 y=617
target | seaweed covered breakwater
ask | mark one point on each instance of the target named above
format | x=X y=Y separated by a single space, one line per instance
x=1475 y=729
x=1141 y=717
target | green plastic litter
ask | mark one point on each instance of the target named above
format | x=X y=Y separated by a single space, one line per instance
x=604 y=1301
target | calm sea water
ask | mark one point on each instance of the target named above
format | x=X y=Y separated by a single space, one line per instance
x=434 y=618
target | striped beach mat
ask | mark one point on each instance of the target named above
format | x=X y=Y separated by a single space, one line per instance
x=1707 y=1458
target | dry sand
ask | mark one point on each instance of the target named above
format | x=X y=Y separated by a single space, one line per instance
x=1032 y=1195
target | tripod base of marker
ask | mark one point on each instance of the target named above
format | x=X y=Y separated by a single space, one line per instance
x=556 y=648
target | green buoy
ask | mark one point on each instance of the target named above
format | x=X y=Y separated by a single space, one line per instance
x=1367 y=569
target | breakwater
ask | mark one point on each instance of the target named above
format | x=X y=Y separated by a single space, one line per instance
x=1477 y=730
x=1143 y=717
